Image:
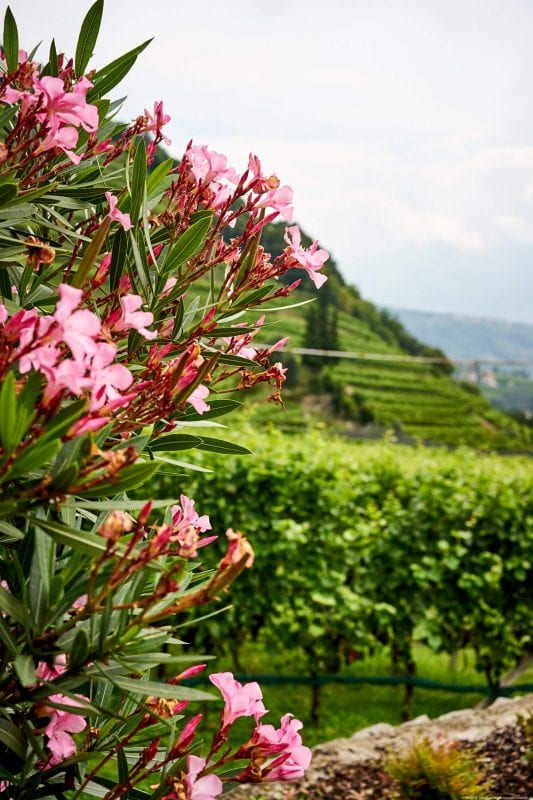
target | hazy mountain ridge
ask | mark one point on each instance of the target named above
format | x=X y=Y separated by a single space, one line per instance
x=469 y=337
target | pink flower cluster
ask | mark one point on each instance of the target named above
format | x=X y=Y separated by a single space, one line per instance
x=60 y=111
x=211 y=170
x=62 y=724
x=45 y=342
x=291 y=757
x=273 y=754
x=185 y=530
x=239 y=700
x=311 y=260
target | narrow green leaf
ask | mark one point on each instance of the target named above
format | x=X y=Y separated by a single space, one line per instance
x=217 y=409
x=175 y=441
x=39 y=586
x=118 y=257
x=91 y=253
x=34 y=457
x=26 y=405
x=8 y=192
x=157 y=175
x=11 y=41
x=88 y=36
x=130 y=478
x=11 y=606
x=138 y=180
x=13 y=738
x=85 y=542
x=220 y=446
x=79 y=650
x=109 y=76
x=8 y=413
x=63 y=421
x=164 y=690
x=188 y=244
x=25 y=669
x=123 y=768
x=8 y=532
x=53 y=65
x=118 y=503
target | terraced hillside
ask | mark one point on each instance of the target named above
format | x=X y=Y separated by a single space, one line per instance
x=367 y=397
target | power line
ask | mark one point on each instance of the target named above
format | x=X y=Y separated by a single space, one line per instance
x=360 y=355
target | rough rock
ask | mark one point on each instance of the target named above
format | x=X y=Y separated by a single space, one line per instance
x=369 y=744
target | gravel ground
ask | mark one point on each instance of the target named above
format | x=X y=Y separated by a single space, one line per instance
x=502 y=755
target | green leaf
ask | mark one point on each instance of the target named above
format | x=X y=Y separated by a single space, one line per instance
x=188 y=244
x=217 y=409
x=25 y=669
x=109 y=76
x=157 y=176
x=85 y=542
x=79 y=650
x=26 y=405
x=11 y=606
x=13 y=738
x=11 y=41
x=34 y=457
x=118 y=257
x=164 y=690
x=88 y=36
x=8 y=532
x=8 y=192
x=91 y=253
x=8 y=413
x=118 y=503
x=53 y=66
x=220 y=446
x=175 y=441
x=39 y=586
x=130 y=478
x=62 y=422
x=138 y=180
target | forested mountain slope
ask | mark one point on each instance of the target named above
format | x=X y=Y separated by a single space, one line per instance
x=368 y=397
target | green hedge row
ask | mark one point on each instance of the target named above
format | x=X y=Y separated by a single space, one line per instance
x=358 y=546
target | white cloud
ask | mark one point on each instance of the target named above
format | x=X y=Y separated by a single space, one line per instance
x=400 y=124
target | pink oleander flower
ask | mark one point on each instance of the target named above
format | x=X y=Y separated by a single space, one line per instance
x=293 y=757
x=3 y=314
x=238 y=548
x=208 y=166
x=156 y=120
x=188 y=731
x=186 y=528
x=239 y=700
x=48 y=673
x=68 y=374
x=278 y=199
x=197 y=399
x=108 y=379
x=77 y=328
x=65 y=138
x=132 y=318
x=207 y=788
x=68 y=108
x=117 y=215
x=61 y=725
x=311 y=259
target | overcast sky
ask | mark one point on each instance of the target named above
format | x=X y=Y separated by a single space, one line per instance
x=405 y=127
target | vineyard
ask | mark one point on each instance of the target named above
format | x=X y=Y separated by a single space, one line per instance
x=420 y=402
x=365 y=546
x=415 y=400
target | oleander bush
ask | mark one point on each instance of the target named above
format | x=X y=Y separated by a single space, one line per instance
x=127 y=319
